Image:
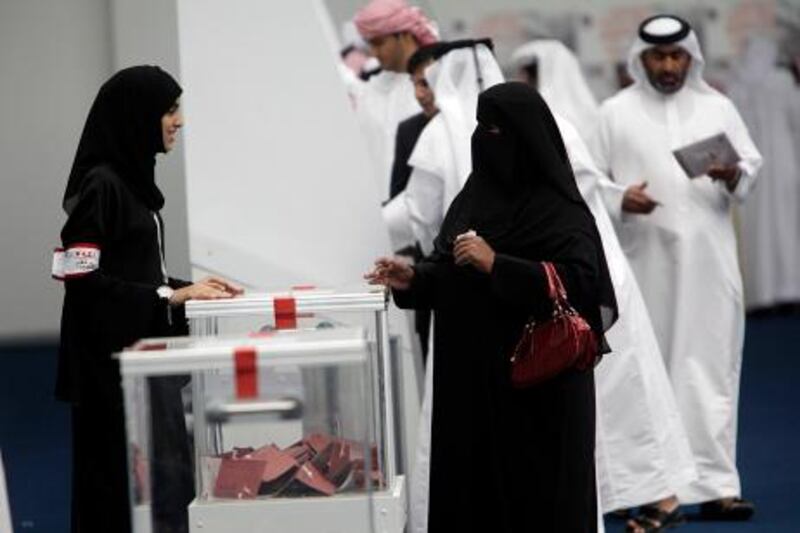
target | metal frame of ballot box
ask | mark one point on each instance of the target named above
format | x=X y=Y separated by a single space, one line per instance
x=372 y=511
x=285 y=308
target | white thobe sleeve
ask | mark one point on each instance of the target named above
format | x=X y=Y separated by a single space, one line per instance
x=612 y=194
x=600 y=148
x=424 y=198
x=353 y=84
x=397 y=218
x=600 y=142
x=751 y=159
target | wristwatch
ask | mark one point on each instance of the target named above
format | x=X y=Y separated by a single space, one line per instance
x=165 y=292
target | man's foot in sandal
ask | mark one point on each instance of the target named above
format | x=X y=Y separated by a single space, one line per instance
x=656 y=517
x=728 y=510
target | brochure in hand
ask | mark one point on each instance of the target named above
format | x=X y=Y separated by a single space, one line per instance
x=695 y=159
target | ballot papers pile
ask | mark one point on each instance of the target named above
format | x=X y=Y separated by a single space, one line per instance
x=320 y=465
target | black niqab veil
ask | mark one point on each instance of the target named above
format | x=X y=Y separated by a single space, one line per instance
x=521 y=196
x=123 y=130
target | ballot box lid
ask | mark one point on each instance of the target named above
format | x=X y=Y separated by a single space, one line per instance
x=183 y=355
x=304 y=299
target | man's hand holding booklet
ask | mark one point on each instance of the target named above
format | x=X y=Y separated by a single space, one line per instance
x=698 y=158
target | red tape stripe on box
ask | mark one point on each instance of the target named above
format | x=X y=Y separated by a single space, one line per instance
x=246 y=373
x=285 y=313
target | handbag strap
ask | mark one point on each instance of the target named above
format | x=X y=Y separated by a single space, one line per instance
x=558 y=294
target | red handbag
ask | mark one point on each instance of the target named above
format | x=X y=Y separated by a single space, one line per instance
x=547 y=349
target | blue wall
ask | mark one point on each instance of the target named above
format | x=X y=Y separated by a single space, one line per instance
x=35 y=439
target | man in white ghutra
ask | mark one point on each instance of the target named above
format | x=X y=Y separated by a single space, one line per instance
x=679 y=237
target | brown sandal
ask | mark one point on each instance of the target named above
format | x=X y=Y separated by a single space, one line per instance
x=653 y=519
x=736 y=510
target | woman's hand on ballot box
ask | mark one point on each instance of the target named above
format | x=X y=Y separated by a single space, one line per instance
x=394 y=272
x=209 y=288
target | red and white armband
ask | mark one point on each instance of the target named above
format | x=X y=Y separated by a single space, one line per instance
x=75 y=260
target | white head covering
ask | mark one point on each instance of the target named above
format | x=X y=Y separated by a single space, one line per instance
x=758 y=61
x=561 y=81
x=457 y=79
x=351 y=37
x=662 y=27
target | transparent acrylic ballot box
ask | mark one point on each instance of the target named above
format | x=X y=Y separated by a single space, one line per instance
x=311 y=308
x=279 y=444
x=299 y=308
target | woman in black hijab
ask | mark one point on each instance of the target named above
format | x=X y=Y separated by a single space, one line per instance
x=117 y=292
x=503 y=459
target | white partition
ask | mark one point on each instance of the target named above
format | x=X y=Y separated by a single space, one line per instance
x=279 y=183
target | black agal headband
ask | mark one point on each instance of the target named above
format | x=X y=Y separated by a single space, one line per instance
x=664 y=29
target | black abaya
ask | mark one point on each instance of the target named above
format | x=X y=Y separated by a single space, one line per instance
x=502 y=459
x=104 y=312
x=112 y=204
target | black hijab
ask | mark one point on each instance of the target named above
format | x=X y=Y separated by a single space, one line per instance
x=123 y=130
x=521 y=196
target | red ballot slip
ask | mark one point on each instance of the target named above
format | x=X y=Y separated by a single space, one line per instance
x=278 y=462
x=262 y=453
x=149 y=346
x=237 y=453
x=301 y=452
x=339 y=464
x=376 y=479
x=239 y=478
x=322 y=459
x=357 y=453
x=318 y=441
x=308 y=481
x=279 y=470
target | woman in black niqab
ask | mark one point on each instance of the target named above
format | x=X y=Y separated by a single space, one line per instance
x=522 y=197
x=116 y=292
x=502 y=459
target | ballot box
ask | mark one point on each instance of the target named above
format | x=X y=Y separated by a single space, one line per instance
x=288 y=467
x=311 y=308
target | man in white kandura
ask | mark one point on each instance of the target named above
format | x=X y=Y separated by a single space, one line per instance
x=769 y=100
x=679 y=237
x=642 y=453
x=553 y=69
x=394 y=31
x=441 y=162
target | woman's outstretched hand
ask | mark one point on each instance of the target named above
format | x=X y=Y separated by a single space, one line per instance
x=470 y=249
x=393 y=272
x=224 y=285
x=210 y=288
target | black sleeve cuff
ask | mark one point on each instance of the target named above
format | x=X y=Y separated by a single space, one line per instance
x=176 y=283
x=420 y=295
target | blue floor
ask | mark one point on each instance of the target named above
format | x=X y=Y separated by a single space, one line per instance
x=769 y=430
x=34 y=434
